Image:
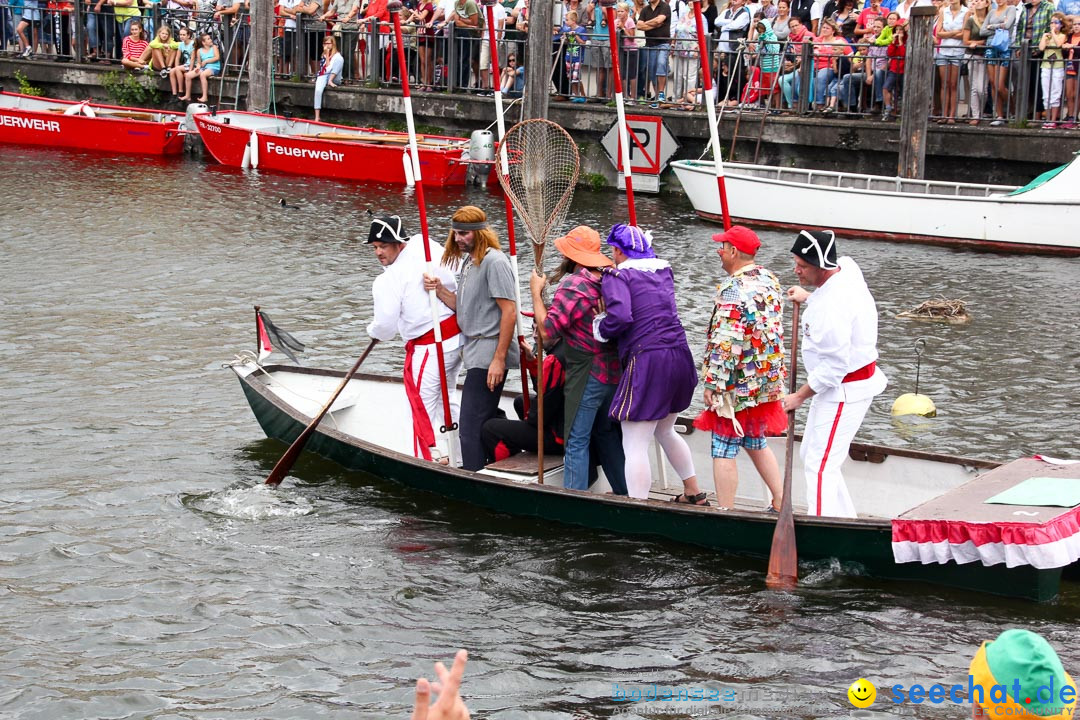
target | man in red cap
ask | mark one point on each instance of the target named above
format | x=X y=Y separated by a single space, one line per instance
x=743 y=367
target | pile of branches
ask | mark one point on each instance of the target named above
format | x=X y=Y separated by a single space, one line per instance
x=940 y=310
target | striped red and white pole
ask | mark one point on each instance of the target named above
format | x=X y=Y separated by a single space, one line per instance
x=710 y=105
x=620 y=109
x=503 y=167
x=449 y=426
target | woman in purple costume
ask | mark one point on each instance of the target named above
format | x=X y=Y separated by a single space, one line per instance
x=659 y=376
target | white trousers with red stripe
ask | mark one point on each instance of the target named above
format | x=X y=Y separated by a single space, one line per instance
x=425 y=371
x=830 y=428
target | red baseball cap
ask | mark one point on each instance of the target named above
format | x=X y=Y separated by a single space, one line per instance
x=743 y=238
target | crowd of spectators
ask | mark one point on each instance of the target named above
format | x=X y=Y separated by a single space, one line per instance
x=996 y=60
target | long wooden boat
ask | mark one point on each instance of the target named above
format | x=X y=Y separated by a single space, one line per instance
x=887 y=485
x=28 y=120
x=1037 y=218
x=318 y=149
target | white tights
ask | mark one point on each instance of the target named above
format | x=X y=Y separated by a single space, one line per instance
x=635 y=442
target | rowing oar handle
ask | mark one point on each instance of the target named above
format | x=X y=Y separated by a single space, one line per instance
x=284 y=465
x=784 y=556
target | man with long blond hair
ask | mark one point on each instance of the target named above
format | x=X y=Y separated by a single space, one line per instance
x=485 y=306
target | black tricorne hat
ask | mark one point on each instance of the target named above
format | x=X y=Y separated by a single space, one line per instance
x=386 y=228
x=817 y=247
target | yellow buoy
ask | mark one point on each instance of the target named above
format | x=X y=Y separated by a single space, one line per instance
x=914 y=404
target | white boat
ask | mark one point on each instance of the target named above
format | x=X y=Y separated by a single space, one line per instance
x=1040 y=217
x=905 y=498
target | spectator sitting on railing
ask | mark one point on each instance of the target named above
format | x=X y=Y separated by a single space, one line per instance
x=329 y=70
x=161 y=52
x=894 y=76
x=849 y=87
x=135 y=56
x=185 y=52
x=828 y=53
x=207 y=64
x=345 y=27
x=512 y=83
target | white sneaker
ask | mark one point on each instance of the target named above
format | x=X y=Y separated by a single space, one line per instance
x=25 y=54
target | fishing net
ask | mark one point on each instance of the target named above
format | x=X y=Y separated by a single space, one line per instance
x=542 y=162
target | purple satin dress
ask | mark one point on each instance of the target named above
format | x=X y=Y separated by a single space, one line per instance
x=659 y=374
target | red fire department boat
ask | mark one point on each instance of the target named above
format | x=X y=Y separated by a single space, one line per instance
x=342 y=152
x=28 y=120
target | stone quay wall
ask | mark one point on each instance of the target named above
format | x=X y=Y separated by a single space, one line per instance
x=960 y=153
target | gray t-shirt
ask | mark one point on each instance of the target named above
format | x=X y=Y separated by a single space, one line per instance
x=478 y=314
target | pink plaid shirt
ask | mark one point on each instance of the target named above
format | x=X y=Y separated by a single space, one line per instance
x=576 y=302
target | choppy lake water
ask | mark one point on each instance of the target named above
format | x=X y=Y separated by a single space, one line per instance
x=144 y=573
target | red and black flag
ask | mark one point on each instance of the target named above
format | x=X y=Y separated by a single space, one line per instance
x=271 y=337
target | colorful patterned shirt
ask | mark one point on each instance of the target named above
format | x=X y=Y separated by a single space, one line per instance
x=575 y=303
x=745 y=349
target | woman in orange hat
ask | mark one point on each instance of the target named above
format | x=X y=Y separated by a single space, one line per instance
x=592 y=367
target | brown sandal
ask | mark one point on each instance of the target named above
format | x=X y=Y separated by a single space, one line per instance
x=700 y=499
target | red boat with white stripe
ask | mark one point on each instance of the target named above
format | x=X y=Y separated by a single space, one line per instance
x=29 y=120
x=318 y=149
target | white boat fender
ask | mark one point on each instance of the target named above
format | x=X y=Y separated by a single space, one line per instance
x=406 y=164
x=253 y=145
x=82 y=108
x=914 y=403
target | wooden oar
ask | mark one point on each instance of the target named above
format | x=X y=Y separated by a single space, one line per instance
x=112 y=113
x=388 y=139
x=784 y=556
x=284 y=465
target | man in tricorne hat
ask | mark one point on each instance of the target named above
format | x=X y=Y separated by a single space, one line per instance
x=402 y=306
x=1019 y=675
x=839 y=352
x=485 y=302
x=743 y=369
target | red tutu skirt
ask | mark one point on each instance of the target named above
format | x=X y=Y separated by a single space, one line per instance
x=761 y=420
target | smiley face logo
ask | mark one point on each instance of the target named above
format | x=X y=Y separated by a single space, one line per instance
x=862 y=693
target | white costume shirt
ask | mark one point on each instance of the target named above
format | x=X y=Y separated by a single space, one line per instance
x=839 y=335
x=402 y=306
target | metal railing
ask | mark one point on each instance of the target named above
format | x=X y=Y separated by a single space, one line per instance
x=800 y=78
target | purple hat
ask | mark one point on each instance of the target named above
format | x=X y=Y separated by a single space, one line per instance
x=634 y=242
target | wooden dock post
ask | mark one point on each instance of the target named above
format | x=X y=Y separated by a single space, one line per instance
x=538 y=62
x=918 y=92
x=261 y=66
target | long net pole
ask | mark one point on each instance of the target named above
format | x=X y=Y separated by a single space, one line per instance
x=503 y=167
x=620 y=109
x=449 y=426
x=710 y=105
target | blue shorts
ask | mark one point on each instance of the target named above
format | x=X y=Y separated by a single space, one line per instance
x=727 y=448
x=656 y=61
x=997 y=57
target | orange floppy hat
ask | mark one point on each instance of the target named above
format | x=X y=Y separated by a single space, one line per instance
x=582 y=245
x=743 y=238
